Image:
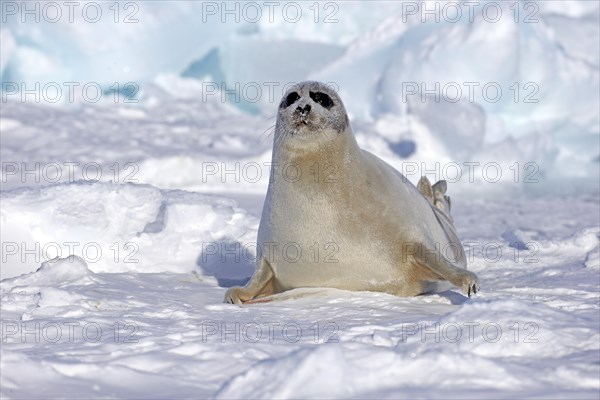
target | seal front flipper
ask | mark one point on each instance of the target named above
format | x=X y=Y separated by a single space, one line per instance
x=437 y=263
x=261 y=284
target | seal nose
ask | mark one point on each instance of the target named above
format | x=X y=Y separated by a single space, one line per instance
x=303 y=111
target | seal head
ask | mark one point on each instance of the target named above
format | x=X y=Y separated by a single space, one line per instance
x=310 y=109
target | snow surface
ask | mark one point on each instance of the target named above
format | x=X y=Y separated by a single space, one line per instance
x=145 y=318
x=123 y=224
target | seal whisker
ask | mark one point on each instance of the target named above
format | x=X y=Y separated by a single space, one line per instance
x=266 y=134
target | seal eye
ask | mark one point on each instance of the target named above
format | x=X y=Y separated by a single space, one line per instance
x=321 y=98
x=290 y=99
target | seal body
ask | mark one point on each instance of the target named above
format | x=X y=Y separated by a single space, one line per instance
x=337 y=216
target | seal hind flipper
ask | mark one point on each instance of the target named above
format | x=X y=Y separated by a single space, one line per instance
x=447 y=198
x=439 y=189
x=440 y=200
x=425 y=188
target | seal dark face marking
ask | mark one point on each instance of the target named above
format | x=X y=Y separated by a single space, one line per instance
x=290 y=99
x=311 y=108
x=322 y=98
